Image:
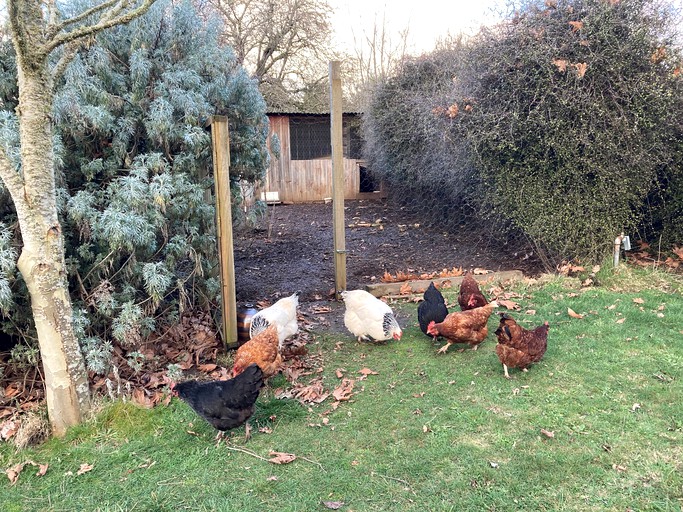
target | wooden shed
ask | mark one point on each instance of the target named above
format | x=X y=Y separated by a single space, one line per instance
x=303 y=171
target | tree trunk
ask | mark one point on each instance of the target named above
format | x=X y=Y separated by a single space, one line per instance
x=41 y=262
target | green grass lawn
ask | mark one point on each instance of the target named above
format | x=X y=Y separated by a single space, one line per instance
x=427 y=433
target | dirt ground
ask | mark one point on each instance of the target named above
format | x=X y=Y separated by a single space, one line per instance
x=295 y=250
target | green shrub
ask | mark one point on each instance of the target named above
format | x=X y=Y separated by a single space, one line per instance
x=563 y=121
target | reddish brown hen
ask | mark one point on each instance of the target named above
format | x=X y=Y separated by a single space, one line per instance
x=519 y=347
x=470 y=296
x=262 y=349
x=463 y=326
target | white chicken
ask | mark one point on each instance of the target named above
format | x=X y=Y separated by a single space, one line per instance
x=282 y=314
x=368 y=317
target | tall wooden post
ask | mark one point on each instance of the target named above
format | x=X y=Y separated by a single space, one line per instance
x=220 y=139
x=337 y=178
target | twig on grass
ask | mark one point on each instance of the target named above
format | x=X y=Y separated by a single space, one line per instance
x=391 y=478
x=248 y=452
x=256 y=455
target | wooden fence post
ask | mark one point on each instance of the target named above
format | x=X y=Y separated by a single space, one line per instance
x=337 y=178
x=220 y=142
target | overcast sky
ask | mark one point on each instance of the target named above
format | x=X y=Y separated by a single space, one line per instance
x=427 y=20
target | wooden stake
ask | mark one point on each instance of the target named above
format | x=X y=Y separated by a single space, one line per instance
x=220 y=139
x=337 y=178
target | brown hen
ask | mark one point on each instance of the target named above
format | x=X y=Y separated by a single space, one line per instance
x=519 y=347
x=470 y=296
x=463 y=327
x=262 y=349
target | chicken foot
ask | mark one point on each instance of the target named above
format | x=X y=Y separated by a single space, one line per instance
x=507 y=375
x=443 y=349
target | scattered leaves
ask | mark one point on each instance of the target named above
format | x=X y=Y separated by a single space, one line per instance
x=14 y=472
x=581 y=68
x=576 y=25
x=405 y=289
x=281 y=457
x=344 y=391
x=8 y=429
x=573 y=313
x=561 y=65
x=509 y=304
x=85 y=467
x=367 y=371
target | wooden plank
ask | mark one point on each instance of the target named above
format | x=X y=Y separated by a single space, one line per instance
x=220 y=139
x=419 y=286
x=337 y=178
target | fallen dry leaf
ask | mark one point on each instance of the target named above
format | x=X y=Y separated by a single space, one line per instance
x=481 y=271
x=344 y=391
x=548 y=433
x=281 y=457
x=638 y=300
x=561 y=65
x=14 y=472
x=8 y=429
x=530 y=312
x=209 y=367
x=334 y=505
x=406 y=289
x=619 y=467
x=509 y=304
x=621 y=320
x=85 y=467
x=573 y=313
x=576 y=25
x=140 y=397
x=581 y=68
x=367 y=371
x=339 y=373
x=42 y=469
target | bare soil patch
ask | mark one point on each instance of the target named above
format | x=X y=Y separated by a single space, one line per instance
x=295 y=250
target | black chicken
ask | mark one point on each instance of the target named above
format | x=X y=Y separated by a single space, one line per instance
x=225 y=404
x=433 y=308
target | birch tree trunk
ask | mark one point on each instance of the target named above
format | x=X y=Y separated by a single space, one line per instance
x=41 y=262
x=37 y=29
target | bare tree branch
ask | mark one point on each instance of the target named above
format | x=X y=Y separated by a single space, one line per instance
x=11 y=178
x=107 y=21
x=55 y=28
x=70 y=51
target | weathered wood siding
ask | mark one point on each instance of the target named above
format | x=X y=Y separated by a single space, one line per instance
x=300 y=181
